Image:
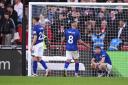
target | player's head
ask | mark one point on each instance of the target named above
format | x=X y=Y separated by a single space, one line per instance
x=74 y=24
x=121 y=23
x=35 y=20
x=97 y=49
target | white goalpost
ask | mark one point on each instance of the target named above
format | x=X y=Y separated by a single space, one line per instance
x=86 y=14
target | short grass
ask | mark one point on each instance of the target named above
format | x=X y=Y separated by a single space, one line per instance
x=15 y=80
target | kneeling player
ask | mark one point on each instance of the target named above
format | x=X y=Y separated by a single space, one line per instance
x=101 y=62
x=37 y=46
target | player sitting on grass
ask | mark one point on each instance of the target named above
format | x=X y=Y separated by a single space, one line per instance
x=101 y=62
x=37 y=46
x=72 y=36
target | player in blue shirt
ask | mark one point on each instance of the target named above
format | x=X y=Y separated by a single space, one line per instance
x=72 y=37
x=37 y=46
x=101 y=62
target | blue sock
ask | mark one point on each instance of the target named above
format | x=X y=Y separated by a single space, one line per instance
x=34 y=67
x=66 y=65
x=76 y=67
x=43 y=64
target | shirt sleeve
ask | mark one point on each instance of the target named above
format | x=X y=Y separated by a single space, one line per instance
x=34 y=31
x=103 y=54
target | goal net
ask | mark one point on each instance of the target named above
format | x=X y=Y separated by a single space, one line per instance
x=107 y=22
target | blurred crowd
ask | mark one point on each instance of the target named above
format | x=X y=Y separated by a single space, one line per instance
x=11 y=14
x=107 y=1
x=113 y=22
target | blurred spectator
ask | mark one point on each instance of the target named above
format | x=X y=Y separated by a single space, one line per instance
x=103 y=26
x=102 y=13
x=110 y=1
x=13 y=15
x=19 y=30
x=126 y=1
x=121 y=36
x=115 y=44
x=1 y=21
x=48 y=31
x=98 y=38
x=122 y=31
x=72 y=0
x=112 y=25
x=18 y=7
x=88 y=1
x=8 y=29
x=48 y=0
x=120 y=1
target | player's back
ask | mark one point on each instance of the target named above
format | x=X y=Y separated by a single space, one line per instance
x=72 y=36
x=39 y=32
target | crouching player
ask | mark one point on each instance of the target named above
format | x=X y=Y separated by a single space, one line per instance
x=37 y=46
x=72 y=36
x=101 y=62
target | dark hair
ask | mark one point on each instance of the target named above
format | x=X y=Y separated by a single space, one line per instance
x=97 y=47
x=36 y=18
x=10 y=6
x=7 y=13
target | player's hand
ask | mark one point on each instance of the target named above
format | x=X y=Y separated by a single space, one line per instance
x=97 y=65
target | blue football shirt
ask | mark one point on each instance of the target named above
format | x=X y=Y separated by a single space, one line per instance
x=39 y=32
x=72 y=36
x=102 y=54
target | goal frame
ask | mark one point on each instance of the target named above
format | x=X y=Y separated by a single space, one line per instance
x=55 y=4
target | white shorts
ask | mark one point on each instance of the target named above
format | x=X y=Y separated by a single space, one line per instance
x=72 y=55
x=38 y=50
x=109 y=67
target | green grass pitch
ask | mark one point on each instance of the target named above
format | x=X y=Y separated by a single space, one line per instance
x=15 y=80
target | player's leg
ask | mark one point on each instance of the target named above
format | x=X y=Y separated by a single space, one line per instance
x=35 y=60
x=76 y=57
x=109 y=69
x=43 y=63
x=95 y=66
x=102 y=66
x=76 y=67
x=102 y=69
x=69 y=57
x=35 y=66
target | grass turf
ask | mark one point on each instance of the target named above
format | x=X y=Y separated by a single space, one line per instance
x=119 y=62
x=15 y=80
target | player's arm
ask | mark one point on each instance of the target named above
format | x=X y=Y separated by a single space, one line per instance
x=93 y=60
x=34 y=37
x=82 y=42
x=34 y=40
x=102 y=60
